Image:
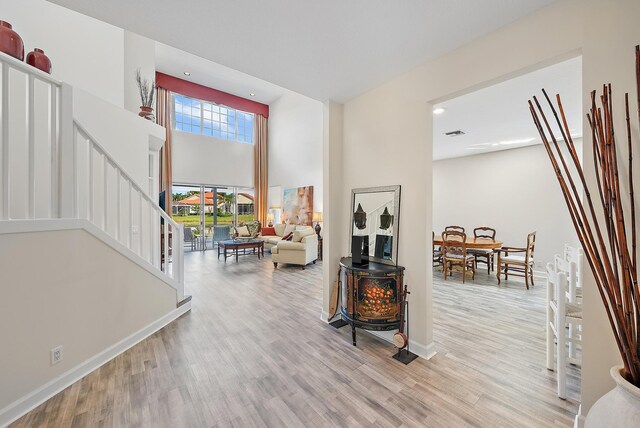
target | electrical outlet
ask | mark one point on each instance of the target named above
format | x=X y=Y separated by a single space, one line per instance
x=135 y=230
x=56 y=355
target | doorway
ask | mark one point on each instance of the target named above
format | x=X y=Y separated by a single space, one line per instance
x=491 y=170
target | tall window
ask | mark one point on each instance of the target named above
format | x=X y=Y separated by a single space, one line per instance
x=202 y=117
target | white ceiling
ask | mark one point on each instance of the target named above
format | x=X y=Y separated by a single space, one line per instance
x=331 y=49
x=498 y=118
x=175 y=62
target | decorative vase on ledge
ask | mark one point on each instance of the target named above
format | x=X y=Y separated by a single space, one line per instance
x=618 y=408
x=39 y=60
x=146 y=112
x=10 y=41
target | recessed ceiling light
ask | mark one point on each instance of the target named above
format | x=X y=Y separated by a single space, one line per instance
x=438 y=110
x=186 y=73
x=252 y=94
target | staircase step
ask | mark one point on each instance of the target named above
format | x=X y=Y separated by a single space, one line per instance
x=183 y=301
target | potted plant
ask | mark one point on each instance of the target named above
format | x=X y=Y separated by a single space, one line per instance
x=147 y=93
x=602 y=224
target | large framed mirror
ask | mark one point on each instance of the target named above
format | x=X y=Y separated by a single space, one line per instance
x=375 y=220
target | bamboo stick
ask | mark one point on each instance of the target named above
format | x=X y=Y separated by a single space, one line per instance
x=611 y=255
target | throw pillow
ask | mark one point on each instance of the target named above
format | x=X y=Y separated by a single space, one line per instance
x=290 y=228
x=254 y=227
x=288 y=236
x=243 y=231
x=268 y=231
x=299 y=234
x=279 y=228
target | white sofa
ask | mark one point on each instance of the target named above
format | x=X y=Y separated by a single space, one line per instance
x=301 y=250
x=281 y=230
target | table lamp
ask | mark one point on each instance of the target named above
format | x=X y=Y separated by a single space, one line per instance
x=317 y=217
x=270 y=220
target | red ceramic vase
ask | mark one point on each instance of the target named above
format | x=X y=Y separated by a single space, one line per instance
x=10 y=41
x=146 y=112
x=39 y=60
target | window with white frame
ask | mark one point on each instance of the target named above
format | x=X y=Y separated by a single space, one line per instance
x=203 y=117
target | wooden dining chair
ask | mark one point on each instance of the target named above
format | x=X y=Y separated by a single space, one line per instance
x=484 y=255
x=437 y=251
x=454 y=252
x=517 y=261
x=454 y=229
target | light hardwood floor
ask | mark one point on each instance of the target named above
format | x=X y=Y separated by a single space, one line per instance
x=253 y=352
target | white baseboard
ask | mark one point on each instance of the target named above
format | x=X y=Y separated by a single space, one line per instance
x=32 y=400
x=423 y=351
x=579 y=420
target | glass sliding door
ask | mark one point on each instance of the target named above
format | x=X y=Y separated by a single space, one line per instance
x=223 y=215
x=186 y=209
x=209 y=213
x=245 y=204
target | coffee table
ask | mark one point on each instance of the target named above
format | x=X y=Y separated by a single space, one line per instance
x=232 y=247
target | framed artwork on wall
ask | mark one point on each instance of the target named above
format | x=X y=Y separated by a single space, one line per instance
x=297 y=206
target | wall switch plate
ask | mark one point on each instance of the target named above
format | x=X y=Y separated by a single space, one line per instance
x=56 y=355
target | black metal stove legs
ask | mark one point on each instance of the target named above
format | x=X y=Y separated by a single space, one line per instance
x=341 y=323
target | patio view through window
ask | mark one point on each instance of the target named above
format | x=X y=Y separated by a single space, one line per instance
x=208 y=213
x=202 y=117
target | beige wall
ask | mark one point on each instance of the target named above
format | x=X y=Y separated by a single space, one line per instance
x=139 y=53
x=513 y=191
x=388 y=131
x=84 y=52
x=295 y=144
x=83 y=295
x=202 y=159
x=388 y=134
x=608 y=57
x=336 y=221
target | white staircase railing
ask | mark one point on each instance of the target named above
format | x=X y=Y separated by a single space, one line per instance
x=52 y=168
x=29 y=135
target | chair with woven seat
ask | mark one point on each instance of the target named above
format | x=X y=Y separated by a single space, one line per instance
x=484 y=255
x=454 y=252
x=561 y=313
x=569 y=267
x=517 y=261
x=437 y=252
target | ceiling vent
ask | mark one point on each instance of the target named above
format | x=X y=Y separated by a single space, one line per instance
x=454 y=133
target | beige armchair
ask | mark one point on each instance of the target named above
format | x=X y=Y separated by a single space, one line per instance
x=301 y=250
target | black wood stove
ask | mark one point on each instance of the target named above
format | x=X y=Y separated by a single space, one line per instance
x=371 y=295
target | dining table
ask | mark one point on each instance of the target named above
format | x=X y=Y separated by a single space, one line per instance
x=474 y=243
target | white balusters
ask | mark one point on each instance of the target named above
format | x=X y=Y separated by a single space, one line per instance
x=152 y=222
x=78 y=189
x=31 y=138
x=28 y=110
x=4 y=191
x=54 y=149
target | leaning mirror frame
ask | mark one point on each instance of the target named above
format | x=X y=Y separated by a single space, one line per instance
x=395 y=220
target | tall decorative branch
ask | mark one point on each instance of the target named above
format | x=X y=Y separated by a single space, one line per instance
x=611 y=259
x=146 y=88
